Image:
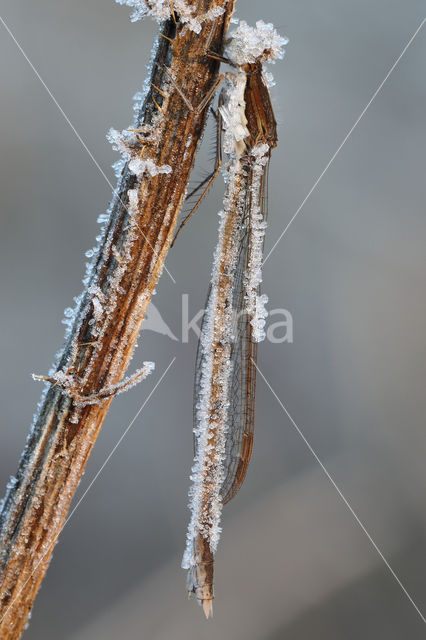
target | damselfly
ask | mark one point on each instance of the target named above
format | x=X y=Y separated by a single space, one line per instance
x=233 y=324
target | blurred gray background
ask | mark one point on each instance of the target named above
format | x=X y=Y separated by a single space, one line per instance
x=293 y=562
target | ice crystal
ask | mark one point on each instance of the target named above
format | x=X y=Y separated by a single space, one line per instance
x=248 y=45
x=98 y=300
x=140 y=96
x=268 y=78
x=233 y=114
x=129 y=145
x=133 y=197
x=140 y=8
x=195 y=23
x=255 y=304
x=258 y=320
x=164 y=9
x=103 y=218
x=139 y=166
x=124 y=141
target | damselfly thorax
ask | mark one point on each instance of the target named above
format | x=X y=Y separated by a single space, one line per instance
x=261 y=122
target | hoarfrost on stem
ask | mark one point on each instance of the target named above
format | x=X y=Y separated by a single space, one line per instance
x=139 y=166
x=129 y=145
x=164 y=9
x=124 y=142
x=70 y=385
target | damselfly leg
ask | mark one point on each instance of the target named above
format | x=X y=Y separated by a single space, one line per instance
x=209 y=180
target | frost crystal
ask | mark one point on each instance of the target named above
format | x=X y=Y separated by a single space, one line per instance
x=132 y=194
x=255 y=304
x=268 y=78
x=165 y=9
x=248 y=45
x=127 y=143
x=233 y=114
x=123 y=142
x=139 y=166
x=140 y=8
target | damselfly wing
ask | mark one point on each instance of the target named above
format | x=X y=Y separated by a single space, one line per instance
x=233 y=324
x=241 y=412
x=261 y=125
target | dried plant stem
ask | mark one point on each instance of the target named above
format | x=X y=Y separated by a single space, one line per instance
x=107 y=323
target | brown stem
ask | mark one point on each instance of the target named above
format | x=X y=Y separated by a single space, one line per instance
x=106 y=326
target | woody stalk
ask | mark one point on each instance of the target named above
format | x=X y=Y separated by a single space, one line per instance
x=158 y=153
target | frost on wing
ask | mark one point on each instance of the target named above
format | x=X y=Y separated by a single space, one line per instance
x=164 y=9
x=211 y=412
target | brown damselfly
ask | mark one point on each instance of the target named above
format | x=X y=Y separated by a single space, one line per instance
x=234 y=319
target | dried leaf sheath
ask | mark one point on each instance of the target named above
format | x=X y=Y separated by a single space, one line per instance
x=106 y=324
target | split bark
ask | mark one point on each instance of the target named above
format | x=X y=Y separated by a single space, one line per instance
x=107 y=323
